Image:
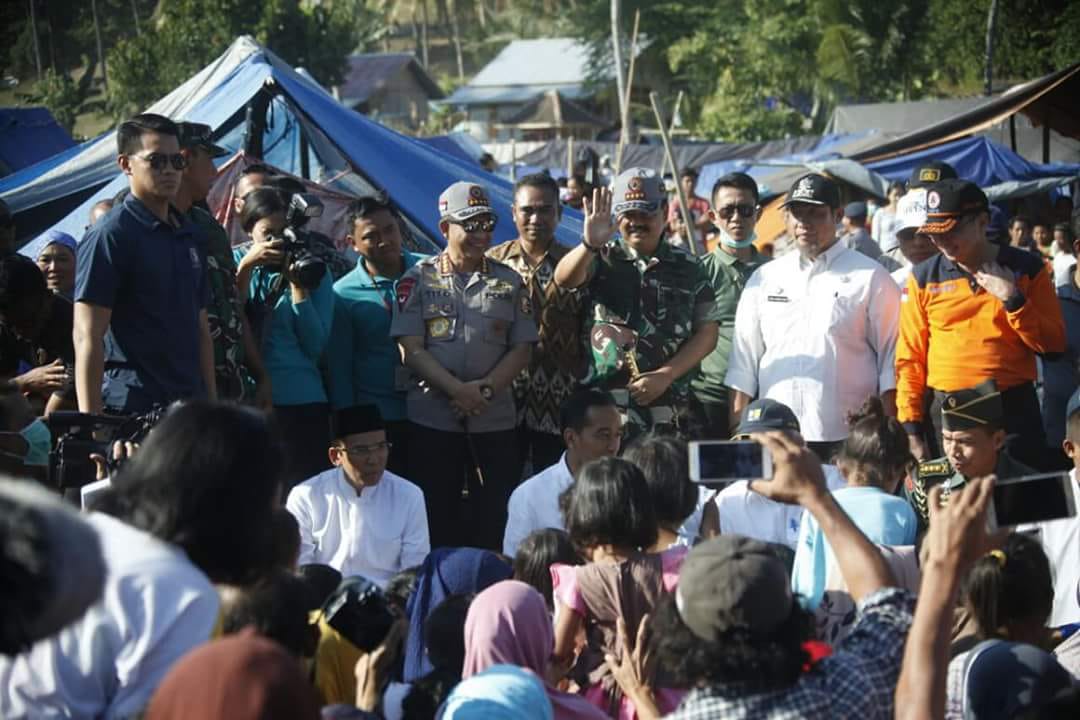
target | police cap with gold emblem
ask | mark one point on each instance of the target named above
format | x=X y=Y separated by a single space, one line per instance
x=929 y=173
x=977 y=407
x=464 y=200
x=948 y=201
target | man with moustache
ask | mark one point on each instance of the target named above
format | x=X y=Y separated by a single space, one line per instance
x=465 y=328
x=141 y=276
x=652 y=315
x=816 y=329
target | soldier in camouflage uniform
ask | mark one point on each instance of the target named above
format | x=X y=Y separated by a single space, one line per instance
x=652 y=315
x=974 y=440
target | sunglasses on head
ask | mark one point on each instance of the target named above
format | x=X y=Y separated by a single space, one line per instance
x=158 y=161
x=744 y=210
x=472 y=226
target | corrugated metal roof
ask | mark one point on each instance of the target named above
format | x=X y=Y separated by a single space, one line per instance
x=369 y=72
x=508 y=94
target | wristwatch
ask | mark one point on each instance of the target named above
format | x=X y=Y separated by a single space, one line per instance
x=487 y=391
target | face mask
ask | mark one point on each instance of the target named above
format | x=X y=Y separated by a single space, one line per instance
x=731 y=242
x=38 y=439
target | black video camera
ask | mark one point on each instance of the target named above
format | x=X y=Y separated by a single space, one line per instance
x=358 y=610
x=301 y=264
x=79 y=434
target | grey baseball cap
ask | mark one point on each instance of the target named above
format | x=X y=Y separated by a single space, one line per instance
x=637 y=188
x=464 y=200
x=733 y=582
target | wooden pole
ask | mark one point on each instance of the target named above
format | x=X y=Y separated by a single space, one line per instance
x=671 y=128
x=688 y=220
x=569 y=157
x=513 y=160
x=626 y=130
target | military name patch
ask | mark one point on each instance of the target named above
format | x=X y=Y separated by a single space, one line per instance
x=778 y=298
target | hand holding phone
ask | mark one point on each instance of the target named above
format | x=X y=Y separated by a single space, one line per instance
x=1031 y=499
x=718 y=463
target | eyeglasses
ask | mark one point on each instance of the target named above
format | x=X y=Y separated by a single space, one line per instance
x=744 y=210
x=474 y=226
x=363 y=451
x=158 y=161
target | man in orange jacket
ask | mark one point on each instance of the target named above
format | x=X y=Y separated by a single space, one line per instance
x=977 y=312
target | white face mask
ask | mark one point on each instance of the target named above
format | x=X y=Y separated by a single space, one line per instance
x=731 y=242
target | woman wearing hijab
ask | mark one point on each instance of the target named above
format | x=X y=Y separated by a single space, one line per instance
x=241 y=677
x=502 y=692
x=508 y=624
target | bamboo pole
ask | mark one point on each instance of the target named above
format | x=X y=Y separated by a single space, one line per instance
x=624 y=104
x=688 y=221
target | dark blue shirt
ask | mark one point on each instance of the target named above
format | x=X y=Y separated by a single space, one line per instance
x=152 y=275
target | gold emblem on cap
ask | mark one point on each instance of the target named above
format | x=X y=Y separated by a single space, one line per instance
x=929 y=175
x=952 y=402
x=754 y=414
x=634 y=189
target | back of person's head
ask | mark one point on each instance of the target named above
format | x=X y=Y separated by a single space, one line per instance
x=261 y=203
x=286 y=534
x=400 y=587
x=609 y=504
x=1010 y=591
x=276 y=608
x=737 y=180
x=665 y=462
x=286 y=185
x=206 y=479
x=876 y=451
x=21 y=281
x=537 y=553
x=320 y=582
x=129 y=134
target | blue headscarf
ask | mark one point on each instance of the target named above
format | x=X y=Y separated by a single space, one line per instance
x=445 y=572
x=502 y=692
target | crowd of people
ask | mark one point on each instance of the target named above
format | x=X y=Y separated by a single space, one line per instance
x=393 y=485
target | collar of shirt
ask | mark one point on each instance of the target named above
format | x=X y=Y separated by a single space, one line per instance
x=447 y=268
x=554 y=253
x=824 y=260
x=143 y=215
x=728 y=259
x=622 y=251
x=346 y=488
x=364 y=278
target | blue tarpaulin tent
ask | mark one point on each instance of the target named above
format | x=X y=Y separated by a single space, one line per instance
x=28 y=135
x=300 y=128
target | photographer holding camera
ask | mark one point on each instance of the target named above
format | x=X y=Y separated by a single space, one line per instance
x=289 y=298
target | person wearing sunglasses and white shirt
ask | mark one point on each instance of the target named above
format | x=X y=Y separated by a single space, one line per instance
x=141 y=333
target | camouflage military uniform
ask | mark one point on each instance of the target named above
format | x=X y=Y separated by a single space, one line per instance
x=641 y=311
x=941 y=472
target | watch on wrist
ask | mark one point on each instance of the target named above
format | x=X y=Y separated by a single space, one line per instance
x=487 y=392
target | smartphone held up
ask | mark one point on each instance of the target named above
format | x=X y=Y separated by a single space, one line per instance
x=719 y=463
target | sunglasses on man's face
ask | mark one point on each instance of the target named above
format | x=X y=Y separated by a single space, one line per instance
x=475 y=226
x=158 y=161
x=744 y=210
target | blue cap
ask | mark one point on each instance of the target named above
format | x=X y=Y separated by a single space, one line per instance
x=55 y=237
x=855 y=209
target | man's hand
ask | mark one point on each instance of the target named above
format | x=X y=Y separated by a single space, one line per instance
x=45 y=379
x=599 y=229
x=918 y=447
x=468 y=400
x=957 y=535
x=373 y=669
x=120 y=451
x=797 y=475
x=647 y=387
x=997 y=280
x=633 y=672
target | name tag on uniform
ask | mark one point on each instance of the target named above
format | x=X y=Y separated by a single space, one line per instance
x=778 y=298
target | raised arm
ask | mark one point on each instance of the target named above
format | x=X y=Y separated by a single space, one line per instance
x=576 y=267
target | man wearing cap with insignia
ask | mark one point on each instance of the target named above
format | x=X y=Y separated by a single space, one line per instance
x=238 y=364
x=976 y=312
x=652 y=314
x=973 y=437
x=734 y=632
x=913 y=247
x=928 y=173
x=815 y=329
x=465 y=328
x=358 y=517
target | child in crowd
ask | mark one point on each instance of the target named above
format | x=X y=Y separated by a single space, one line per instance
x=609 y=515
x=537 y=553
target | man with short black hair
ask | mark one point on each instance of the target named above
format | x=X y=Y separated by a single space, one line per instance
x=856 y=237
x=1042 y=237
x=557 y=361
x=358 y=517
x=141 y=283
x=699 y=214
x=591 y=428
x=1020 y=233
x=252 y=177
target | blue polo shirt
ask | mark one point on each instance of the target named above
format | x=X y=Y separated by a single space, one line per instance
x=152 y=275
x=363 y=358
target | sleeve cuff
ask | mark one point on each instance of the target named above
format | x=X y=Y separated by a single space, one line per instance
x=1015 y=302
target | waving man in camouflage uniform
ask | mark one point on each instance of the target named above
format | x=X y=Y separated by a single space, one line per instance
x=652 y=315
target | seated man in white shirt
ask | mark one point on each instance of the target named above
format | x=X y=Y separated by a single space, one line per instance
x=816 y=329
x=358 y=517
x=591 y=428
x=738 y=510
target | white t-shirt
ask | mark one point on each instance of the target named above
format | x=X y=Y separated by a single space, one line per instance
x=156 y=607
x=745 y=512
x=376 y=534
x=534 y=505
x=1061 y=543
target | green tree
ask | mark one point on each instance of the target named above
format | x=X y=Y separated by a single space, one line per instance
x=58 y=92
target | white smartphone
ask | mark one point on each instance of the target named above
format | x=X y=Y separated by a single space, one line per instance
x=1031 y=499
x=717 y=463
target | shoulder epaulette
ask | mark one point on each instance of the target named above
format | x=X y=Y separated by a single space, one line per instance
x=935 y=468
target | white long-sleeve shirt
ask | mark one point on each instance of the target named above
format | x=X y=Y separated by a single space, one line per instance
x=376 y=534
x=534 y=505
x=818 y=336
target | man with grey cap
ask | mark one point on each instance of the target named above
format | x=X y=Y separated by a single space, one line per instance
x=816 y=329
x=913 y=246
x=465 y=327
x=652 y=314
x=735 y=632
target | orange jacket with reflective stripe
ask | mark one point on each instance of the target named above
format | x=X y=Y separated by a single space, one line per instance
x=955 y=335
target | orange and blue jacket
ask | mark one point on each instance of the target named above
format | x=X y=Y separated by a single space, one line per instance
x=955 y=335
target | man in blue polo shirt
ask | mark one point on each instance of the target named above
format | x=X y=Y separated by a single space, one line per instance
x=365 y=365
x=141 y=333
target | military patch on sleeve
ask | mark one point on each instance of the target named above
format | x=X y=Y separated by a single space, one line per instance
x=404 y=291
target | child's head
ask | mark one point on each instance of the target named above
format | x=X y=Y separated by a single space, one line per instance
x=276 y=607
x=876 y=452
x=444 y=632
x=665 y=462
x=320 y=582
x=609 y=504
x=537 y=553
x=400 y=588
x=1010 y=592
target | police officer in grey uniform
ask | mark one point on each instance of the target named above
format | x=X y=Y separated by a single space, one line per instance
x=465 y=328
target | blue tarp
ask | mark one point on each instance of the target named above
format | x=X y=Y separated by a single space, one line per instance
x=27 y=136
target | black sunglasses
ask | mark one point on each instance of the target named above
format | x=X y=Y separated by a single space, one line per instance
x=471 y=226
x=744 y=210
x=158 y=161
